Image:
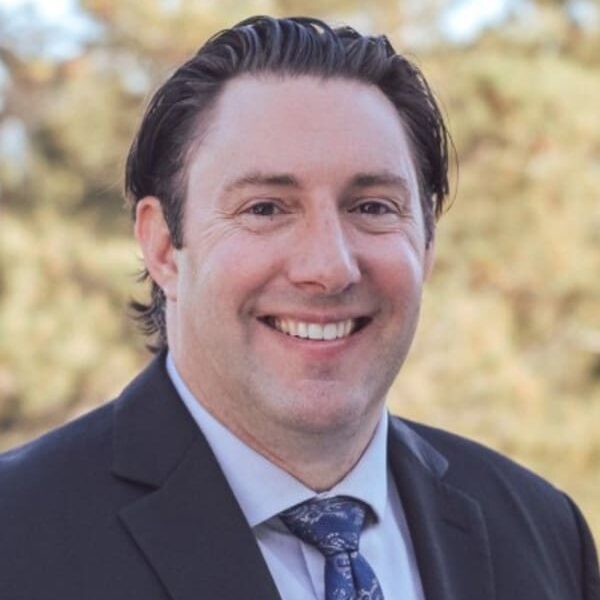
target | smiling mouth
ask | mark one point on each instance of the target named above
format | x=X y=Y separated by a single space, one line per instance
x=304 y=330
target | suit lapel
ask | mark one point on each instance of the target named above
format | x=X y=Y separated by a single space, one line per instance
x=189 y=525
x=447 y=527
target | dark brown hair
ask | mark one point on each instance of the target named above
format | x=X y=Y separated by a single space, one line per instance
x=157 y=160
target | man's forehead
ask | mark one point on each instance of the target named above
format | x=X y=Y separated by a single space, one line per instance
x=267 y=124
x=241 y=90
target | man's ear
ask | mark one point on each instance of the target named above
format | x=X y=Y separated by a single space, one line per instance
x=154 y=238
x=429 y=258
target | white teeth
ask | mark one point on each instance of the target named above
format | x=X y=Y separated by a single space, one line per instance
x=314 y=331
x=293 y=327
x=348 y=325
x=330 y=331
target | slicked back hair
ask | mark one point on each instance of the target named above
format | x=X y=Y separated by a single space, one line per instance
x=157 y=160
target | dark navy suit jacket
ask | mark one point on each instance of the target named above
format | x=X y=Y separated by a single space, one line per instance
x=129 y=503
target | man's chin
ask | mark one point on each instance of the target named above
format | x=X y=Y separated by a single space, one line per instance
x=327 y=409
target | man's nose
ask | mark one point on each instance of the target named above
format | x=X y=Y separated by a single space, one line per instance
x=323 y=259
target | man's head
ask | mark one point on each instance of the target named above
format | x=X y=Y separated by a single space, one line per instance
x=180 y=113
x=291 y=233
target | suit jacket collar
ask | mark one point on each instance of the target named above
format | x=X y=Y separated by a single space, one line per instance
x=189 y=525
x=152 y=428
x=447 y=526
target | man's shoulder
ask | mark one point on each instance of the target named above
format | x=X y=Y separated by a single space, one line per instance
x=144 y=431
x=61 y=498
x=508 y=493
x=87 y=440
x=56 y=456
x=525 y=515
x=472 y=463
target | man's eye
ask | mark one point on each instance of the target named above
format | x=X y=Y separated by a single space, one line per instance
x=373 y=207
x=264 y=209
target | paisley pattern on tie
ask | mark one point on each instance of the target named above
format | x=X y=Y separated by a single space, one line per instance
x=333 y=526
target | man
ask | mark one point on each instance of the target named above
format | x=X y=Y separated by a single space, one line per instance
x=285 y=183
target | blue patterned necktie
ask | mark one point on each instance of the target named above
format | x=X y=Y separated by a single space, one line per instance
x=333 y=526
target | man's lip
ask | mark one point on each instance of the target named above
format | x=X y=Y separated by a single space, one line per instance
x=303 y=330
x=320 y=319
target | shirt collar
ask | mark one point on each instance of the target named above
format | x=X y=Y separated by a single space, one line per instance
x=269 y=489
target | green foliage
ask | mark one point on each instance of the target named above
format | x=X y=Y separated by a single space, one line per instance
x=508 y=351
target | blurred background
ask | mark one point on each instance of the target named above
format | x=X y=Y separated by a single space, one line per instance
x=508 y=351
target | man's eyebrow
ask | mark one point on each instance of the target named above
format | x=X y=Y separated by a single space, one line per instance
x=360 y=180
x=257 y=178
x=365 y=180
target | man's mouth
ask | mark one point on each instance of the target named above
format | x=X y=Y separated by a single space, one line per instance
x=334 y=330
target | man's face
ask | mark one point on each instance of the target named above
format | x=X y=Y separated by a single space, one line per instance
x=297 y=291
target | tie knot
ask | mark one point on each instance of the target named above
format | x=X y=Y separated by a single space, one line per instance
x=332 y=525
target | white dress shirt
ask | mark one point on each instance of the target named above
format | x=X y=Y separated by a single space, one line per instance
x=263 y=490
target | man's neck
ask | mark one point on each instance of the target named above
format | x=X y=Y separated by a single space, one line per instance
x=318 y=461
